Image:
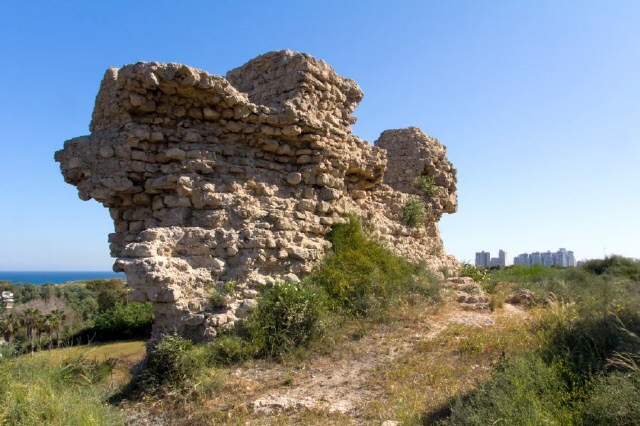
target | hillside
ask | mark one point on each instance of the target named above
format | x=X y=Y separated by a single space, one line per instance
x=565 y=350
x=351 y=381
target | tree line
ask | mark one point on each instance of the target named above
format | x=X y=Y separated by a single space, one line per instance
x=51 y=315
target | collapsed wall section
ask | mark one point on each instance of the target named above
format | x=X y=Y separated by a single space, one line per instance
x=217 y=186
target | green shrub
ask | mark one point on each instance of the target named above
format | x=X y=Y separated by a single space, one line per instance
x=172 y=362
x=523 y=391
x=614 y=265
x=364 y=278
x=428 y=185
x=288 y=316
x=412 y=213
x=124 y=319
x=479 y=275
x=589 y=341
x=134 y=320
x=615 y=400
x=359 y=277
x=219 y=296
x=229 y=349
x=33 y=392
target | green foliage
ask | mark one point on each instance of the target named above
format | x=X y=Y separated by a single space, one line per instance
x=479 y=275
x=614 y=400
x=589 y=341
x=170 y=362
x=412 y=213
x=72 y=393
x=586 y=371
x=81 y=371
x=363 y=278
x=175 y=366
x=125 y=320
x=229 y=349
x=524 y=275
x=523 y=391
x=219 y=297
x=614 y=265
x=288 y=316
x=108 y=292
x=359 y=277
x=428 y=185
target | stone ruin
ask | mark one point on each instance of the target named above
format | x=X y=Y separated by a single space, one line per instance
x=222 y=185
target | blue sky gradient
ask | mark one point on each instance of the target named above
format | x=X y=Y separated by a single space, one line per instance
x=538 y=103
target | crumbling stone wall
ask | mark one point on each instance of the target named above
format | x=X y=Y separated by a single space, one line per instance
x=417 y=165
x=233 y=183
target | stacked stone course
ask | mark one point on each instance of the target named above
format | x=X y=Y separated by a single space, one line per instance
x=213 y=180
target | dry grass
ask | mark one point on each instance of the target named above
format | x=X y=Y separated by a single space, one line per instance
x=97 y=352
x=421 y=384
x=123 y=355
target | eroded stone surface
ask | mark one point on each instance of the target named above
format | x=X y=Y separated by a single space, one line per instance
x=221 y=185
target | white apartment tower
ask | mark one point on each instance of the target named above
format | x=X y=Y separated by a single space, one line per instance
x=563 y=258
x=484 y=259
x=502 y=258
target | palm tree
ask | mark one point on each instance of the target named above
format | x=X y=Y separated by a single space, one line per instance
x=57 y=318
x=31 y=320
x=47 y=326
x=8 y=325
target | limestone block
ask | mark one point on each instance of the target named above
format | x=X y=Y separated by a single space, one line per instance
x=304 y=159
x=210 y=114
x=164 y=295
x=291 y=130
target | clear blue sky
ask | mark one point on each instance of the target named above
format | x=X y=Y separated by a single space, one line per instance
x=537 y=101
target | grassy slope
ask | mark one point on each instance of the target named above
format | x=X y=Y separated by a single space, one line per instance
x=571 y=359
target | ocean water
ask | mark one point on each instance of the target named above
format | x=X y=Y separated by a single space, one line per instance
x=56 y=277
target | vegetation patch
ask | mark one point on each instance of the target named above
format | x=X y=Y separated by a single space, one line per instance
x=428 y=185
x=289 y=315
x=584 y=369
x=412 y=213
x=73 y=392
x=364 y=278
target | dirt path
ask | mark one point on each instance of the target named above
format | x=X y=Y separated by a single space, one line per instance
x=338 y=382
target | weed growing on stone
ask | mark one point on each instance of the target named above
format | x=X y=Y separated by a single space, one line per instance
x=412 y=213
x=428 y=185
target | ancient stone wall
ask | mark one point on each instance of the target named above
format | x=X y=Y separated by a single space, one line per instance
x=417 y=165
x=228 y=184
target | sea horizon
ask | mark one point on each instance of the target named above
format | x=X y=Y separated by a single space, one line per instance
x=56 y=277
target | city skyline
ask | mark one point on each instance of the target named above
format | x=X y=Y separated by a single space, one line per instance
x=562 y=257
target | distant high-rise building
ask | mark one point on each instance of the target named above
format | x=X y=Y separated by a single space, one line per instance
x=535 y=258
x=502 y=258
x=547 y=259
x=483 y=259
x=563 y=258
x=522 y=259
